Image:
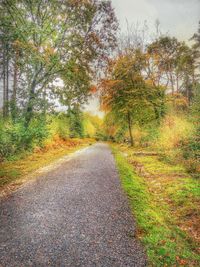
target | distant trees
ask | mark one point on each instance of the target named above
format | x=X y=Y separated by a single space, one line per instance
x=142 y=74
x=172 y=63
x=196 y=39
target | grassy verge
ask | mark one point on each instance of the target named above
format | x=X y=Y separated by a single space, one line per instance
x=13 y=171
x=164 y=201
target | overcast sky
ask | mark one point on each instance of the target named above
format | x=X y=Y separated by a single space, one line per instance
x=179 y=18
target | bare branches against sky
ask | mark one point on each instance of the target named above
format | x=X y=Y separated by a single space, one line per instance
x=177 y=17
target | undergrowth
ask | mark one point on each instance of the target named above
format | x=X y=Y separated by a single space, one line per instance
x=158 y=204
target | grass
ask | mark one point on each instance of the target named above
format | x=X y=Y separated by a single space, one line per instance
x=13 y=171
x=164 y=201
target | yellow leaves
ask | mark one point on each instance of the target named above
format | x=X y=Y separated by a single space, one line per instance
x=49 y=51
x=24 y=45
x=181 y=262
x=110 y=83
x=89 y=128
x=124 y=63
x=78 y=2
x=174 y=130
x=44 y=51
x=76 y=69
x=149 y=82
x=147 y=56
x=53 y=150
x=156 y=57
x=16 y=43
x=127 y=88
x=179 y=101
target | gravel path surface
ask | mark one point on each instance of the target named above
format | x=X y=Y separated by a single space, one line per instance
x=74 y=215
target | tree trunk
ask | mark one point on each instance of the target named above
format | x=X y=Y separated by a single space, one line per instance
x=172 y=83
x=188 y=88
x=7 y=81
x=4 y=82
x=29 y=110
x=14 y=93
x=130 y=126
x=172 y=88
x=177 y=83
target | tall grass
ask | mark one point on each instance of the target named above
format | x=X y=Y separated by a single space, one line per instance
x=173 y=134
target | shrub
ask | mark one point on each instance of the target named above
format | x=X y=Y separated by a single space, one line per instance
x=174 y=131
x=58 y=125
x=192 y=147
x=15 y=137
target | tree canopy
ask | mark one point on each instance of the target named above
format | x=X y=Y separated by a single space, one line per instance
x=44 y=40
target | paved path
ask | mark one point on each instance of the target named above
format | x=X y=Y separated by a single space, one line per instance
x=74 y=215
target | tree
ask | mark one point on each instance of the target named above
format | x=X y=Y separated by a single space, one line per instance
x=162 y=55
x=76 y=122
x=196 y=39
x=76 y=85
x=5 y=40
x=126 y=93
x=171 y=63
x=52 y=36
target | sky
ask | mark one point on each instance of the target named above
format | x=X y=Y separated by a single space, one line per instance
x=178 y=18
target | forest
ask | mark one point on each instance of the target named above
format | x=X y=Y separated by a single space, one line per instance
x=151 y=96
x=49 y=52
x=55 y=56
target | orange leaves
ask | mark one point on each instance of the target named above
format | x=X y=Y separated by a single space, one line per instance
x=180 y=102
x=119 y=90
x=149 y=82
x=126 y=90
x=95 y=38
x=93 y=89
x=17 y=43
x=23 y=45
x=109 y=84
x=181 y=262
x=108 y=87
x=108 y=90
x=44 y=51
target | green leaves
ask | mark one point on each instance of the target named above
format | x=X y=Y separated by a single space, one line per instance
x=61 y=39
x=127 y=91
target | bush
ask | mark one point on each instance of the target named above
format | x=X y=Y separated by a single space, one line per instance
x=58 y=125
x=191 y=148
x=15 y=137
x=76 y=122
x=174 y=131
x=89 y=129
